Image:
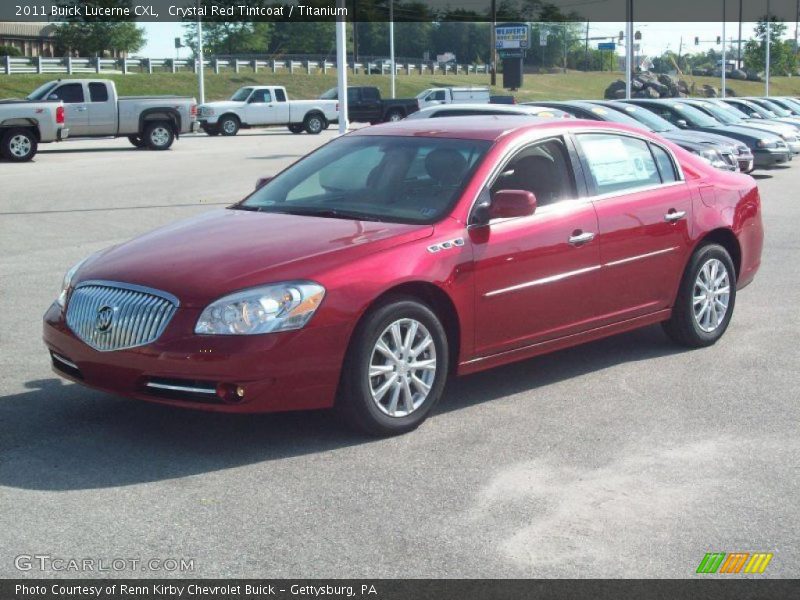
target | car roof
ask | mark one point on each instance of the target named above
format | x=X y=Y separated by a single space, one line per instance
x=512 y=109
x=489 y=127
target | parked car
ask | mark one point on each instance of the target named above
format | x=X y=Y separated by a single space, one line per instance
x=366 y=273
x=717 y=154
x=453 y=95
x=731 y=116
x=365 y=105
x=24 y=124
x=93 y=109
x=790 y=104
x=476 y=110
x=264 y=106
x=757 y=112
x=768 y=148
x=781 y=114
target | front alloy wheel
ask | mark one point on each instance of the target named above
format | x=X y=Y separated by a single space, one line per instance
x=18 y=144
x=712 y=294
x=402 y=368
x=395 y=369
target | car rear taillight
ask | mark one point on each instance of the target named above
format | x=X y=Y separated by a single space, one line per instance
x=59 y=115
x=193 y=110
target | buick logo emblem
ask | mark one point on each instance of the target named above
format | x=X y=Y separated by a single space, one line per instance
x=104 y=319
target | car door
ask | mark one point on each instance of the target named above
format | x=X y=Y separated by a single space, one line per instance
x=643 y=208
x=535 y=275
x=76 y=112
x=260 y=109
x=280 y=106
x=102 y=111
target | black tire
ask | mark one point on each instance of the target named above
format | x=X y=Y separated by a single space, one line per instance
x=355 y=402
x=18 y=144
x=137 y=141
x=228 y=125
x=314 y=123
x=212 y=131
x=296 y=127
x=394 y=115
x=158 y=135
x=683 y=326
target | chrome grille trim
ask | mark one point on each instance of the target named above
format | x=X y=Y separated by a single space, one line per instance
x=140 y=316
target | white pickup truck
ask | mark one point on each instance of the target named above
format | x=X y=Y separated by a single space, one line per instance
x=265 y=105
x=453 y=95
x=93 y=109
x=24 y=124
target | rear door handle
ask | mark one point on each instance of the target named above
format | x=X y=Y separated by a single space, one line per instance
x=674 y=215
x=578 y=239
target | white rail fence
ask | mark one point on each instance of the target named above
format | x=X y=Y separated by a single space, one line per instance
x=68 y=65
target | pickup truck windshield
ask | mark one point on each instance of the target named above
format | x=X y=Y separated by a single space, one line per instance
x=374 y=178
x=242 y=94
x=331 y=94
x=42 y=91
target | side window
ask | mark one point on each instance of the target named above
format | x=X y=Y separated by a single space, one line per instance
x=544 y=169
x=280 y=95
x=98 y=92
x=370 y=94
x=352 y=95
x=438 y=95
x=261 y=96
x=69 y=93
x=618 y=163
x=665 y=165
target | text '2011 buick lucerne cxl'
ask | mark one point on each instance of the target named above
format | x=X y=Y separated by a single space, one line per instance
x=366 y=273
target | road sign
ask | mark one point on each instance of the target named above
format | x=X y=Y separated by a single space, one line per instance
x=606 y=46
x=512 y=36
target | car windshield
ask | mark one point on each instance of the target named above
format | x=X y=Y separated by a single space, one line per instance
x=608 y=114
x=242 y=94
x=759 y=110
x=331 y=94
x=42 y=91
x=696 y=117
x=374 y=178
x=720 y=114
x=774 y=108
x=647 y=118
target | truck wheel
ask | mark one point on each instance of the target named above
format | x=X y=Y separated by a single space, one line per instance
x=314 y=123
x=296 y=127
x=212 y=131
x=228 y=125
x=158 y=135
x=137 y=141
x=394 y=115
x=18 y=144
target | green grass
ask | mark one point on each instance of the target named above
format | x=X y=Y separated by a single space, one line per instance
x=572 y=85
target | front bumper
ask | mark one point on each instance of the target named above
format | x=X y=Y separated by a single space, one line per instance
x=293 y=370
x=746 y=163
x=770 y=158
x=210 y=120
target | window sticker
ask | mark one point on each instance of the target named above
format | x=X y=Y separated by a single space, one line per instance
x=612 y=163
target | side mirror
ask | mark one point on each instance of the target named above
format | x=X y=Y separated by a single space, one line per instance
x=262 y=181
x=682 y=123
x=507 y=204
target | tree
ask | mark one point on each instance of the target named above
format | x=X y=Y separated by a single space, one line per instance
x=9 y=51
x=97 y=36
x=783 y=60
x=226 y=37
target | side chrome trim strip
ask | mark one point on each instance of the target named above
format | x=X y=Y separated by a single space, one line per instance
x=631 y=259
x=542 y=281
x=181 y=388
x=64 y=361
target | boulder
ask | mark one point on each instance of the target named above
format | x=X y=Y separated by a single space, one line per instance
x=709 y=91
x=738 y=74
x=661 y=89
x=618 y=95
x=636 y=84
x=753 y=76
x=611 y=90
x=647 y=92
x=730 y=92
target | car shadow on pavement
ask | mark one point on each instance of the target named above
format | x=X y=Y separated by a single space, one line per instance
x=61 y=436
x=90 y=150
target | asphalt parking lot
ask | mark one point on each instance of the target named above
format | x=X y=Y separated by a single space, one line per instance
x=628 y=457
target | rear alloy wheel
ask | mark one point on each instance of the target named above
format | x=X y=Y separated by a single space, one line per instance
x=704 y=306
x=296 y=127
x=18 y=144
x=137 y=141
x=394 y=116
x=159 y=135
x=314 y=123
x=395 y=370
x=228 y=125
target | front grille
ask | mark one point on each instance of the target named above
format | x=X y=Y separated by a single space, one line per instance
x=113 y=316
x=730 y=159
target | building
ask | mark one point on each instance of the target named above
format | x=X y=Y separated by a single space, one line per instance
x=32 y=39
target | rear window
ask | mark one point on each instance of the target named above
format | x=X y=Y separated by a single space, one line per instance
x=98 y=92
x=280 y=95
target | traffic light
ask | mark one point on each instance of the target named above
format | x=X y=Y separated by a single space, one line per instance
x=621 y=36
x=696 y=41
x=637 y=36
x=719 y=40
x=178 y=43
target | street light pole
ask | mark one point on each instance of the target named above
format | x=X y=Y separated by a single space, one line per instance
x=391 y=44
x=200 y=68
x=629 y=48
x=341 y=68
x=724 y=55
x=769 y=44
x=493 y=38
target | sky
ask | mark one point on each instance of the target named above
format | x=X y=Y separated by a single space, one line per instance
x=656 y=37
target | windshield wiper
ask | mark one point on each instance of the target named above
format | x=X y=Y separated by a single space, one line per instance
x=331 y=213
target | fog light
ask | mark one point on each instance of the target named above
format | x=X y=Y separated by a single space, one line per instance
x=230 y=393
x=240 y=391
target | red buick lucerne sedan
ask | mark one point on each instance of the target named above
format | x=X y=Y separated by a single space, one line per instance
x=366 y=273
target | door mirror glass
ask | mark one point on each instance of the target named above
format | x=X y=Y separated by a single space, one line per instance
x=682 y=123
x=262 y=181
x=507 y=204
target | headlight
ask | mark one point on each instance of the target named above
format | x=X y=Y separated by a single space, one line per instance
x=766 y=144
x=742 y=150
x=206 y=111
x=67 y=283
x=278 y=307
x=713 y=158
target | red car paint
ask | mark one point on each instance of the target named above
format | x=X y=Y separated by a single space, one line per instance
x=628 y=275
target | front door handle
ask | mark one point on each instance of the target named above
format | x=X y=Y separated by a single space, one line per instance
x=674 y=215
x=578 y=239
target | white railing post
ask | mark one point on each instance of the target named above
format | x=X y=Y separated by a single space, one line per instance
x=255 y=65
x=69 y=65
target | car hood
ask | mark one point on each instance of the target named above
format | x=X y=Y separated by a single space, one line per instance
x=202 y=258
x=738 y=132
x=223 y=105
x=696 y=137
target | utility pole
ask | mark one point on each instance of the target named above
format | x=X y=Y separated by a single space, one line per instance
x=341 y=68
x=391 y=45
x=724 y=55
x=769 y=45
x=200 y=68
x=586 y=48
x=628 y=48
x=739 y=50
x=493 y=49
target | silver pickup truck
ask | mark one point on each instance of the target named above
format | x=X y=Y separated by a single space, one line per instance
x=93 y=109
x=24 y=124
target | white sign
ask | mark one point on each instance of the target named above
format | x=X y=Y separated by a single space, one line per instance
x=512 y=37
